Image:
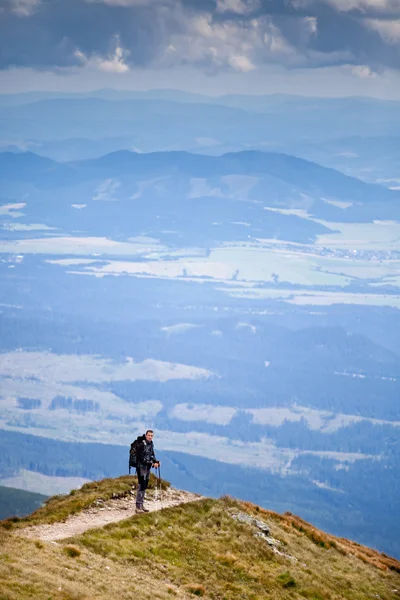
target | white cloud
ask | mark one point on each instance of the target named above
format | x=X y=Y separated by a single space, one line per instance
x=311 y=23
x=23 y=8
x=389 y=30
x=362 y=71
x=241 y=45
x=242 y=64
x=115 y=62
x=239 y=7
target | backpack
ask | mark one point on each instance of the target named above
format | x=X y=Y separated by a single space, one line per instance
x=132 y=453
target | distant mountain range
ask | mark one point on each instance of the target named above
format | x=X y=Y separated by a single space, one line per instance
x=305 y=175
x=259 y=102
x=360 y=136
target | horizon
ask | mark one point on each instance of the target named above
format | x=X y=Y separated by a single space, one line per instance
x=185 y=91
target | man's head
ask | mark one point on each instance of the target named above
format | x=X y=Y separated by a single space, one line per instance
x=149 y=435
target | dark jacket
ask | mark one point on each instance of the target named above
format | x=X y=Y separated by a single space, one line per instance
x=145 y=456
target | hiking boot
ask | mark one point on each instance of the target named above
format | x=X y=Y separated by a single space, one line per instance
x=144 y=509
x=141 y=509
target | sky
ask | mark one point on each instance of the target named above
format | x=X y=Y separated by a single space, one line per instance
x=311 y=47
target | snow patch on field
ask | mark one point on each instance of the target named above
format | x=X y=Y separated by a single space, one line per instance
x=179 y=328
x=67 y=368
x=219 y=415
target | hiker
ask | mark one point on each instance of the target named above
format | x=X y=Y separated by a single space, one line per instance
x=145 y=460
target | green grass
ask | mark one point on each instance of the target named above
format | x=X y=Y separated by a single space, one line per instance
x=286 y=580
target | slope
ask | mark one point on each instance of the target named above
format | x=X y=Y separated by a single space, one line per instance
x=210 y=548
x=18 y=502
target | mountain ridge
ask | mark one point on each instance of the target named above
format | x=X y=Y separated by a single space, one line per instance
x=281 y=166
x=211 y=548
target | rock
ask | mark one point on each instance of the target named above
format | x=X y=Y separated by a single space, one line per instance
x=264 y=533
x=251 y=521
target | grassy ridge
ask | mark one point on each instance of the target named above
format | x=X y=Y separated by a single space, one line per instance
x=201 y=548
x=195 y=549
x=58 y=508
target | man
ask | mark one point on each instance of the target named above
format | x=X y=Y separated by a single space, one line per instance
x=145 y=460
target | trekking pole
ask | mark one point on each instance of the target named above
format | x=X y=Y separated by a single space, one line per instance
x=156 y=489
x=160 y=484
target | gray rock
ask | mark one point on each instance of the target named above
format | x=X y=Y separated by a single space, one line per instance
x=251 y=521
x=264 y=533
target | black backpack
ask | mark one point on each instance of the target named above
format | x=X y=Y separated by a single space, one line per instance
x=132 y=453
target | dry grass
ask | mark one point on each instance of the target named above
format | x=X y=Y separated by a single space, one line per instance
x=379 y=560
x=58 y=508
x=29 y=573
x=200 y=547
x=192 y=550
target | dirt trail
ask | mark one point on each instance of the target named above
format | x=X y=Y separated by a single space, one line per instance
x=105 y=512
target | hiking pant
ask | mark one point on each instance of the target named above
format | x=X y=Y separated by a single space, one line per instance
x=143 y=474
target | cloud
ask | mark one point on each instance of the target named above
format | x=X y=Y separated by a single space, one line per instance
x=240 y=35
x=390 y=7
x=113 y=63
x=131 y=3
x=241 y=45
x=363 y=72
x=22 y=8
x=239 y=7
x=241 y=63
x=388 y=30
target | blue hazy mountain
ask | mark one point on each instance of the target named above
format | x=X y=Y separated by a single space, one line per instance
x=357 y=135
x=156 y=123
x=304 y=175
x=185 y=189
x=243 y=304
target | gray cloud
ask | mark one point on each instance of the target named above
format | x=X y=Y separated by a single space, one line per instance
x=115 y=35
